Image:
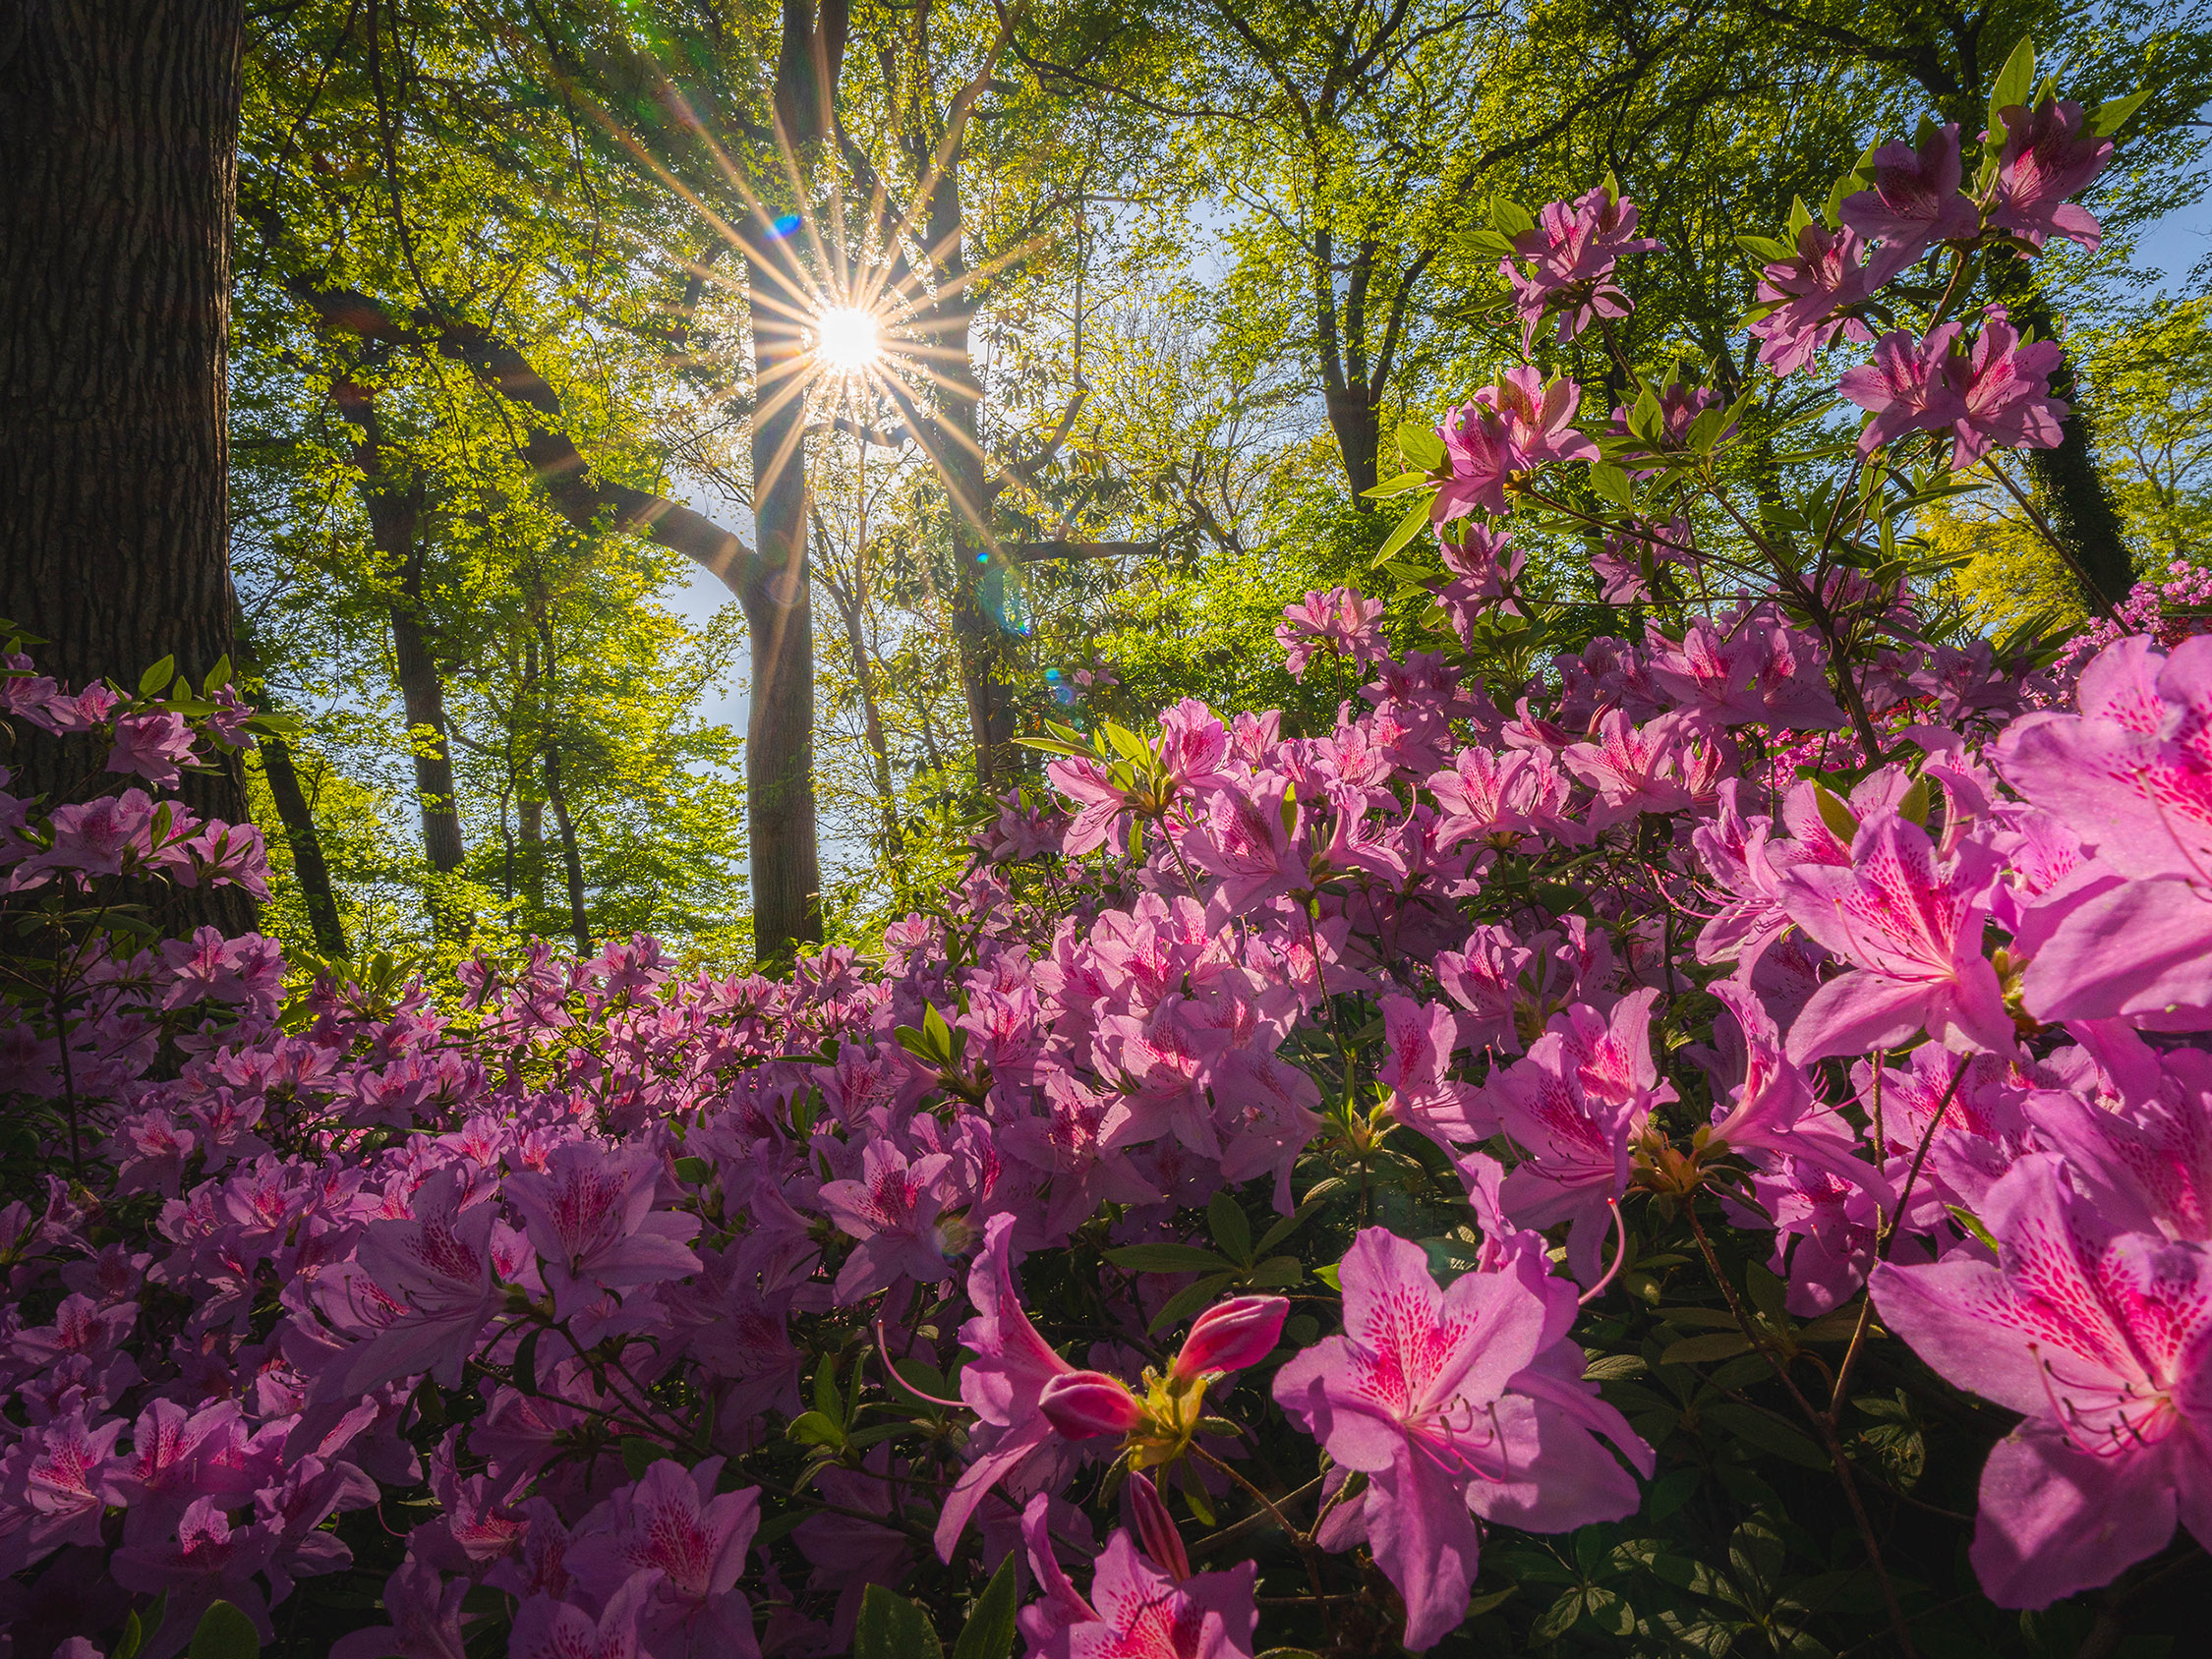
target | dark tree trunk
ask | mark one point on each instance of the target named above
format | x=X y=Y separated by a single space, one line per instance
x=786 y=866
x=571 y=857
x=422 y=692
x=2070 y=488
x=118 y=144
x=308 y=866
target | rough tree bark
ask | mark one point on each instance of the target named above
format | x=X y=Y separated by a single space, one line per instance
x=118 y=142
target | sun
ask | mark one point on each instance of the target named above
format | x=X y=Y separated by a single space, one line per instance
x=846 y=339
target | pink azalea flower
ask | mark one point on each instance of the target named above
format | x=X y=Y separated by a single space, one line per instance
x=590 y=1215
x=1003 y=1385
x=2132 y=776
x=1826 y=274
x=671 y=1529
x=1571 y=253
x=1424 y=1394
x=2005 y=390
x=152 y=745
x=1341 y=621
x=1573 y=1105
x=1914 y=199
x=1420 y=1041
x=2096 y=1338
x=1910 y=921
x=97 y=838
x=545 y=1628
x=896 y=1210
x=422 y=1286
x=2048 y=156
x=1135 y=1609
x=1508 y=429
x=1908 y=386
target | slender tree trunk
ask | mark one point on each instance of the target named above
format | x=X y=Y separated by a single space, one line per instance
x=308 y=866
x=422 y=692
x=571 y=858
x=533 y=872
x=118 y=145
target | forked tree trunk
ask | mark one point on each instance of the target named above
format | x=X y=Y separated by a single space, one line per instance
x=118 y=145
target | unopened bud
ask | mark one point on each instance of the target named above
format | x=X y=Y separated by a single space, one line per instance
x=1084 y=1405
x=1154 y=1528
x=1231 y=1335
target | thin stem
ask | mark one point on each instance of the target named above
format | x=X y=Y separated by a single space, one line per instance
x=1831 y=1443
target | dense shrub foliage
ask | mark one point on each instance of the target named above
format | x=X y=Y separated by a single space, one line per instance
x=1708 y=1149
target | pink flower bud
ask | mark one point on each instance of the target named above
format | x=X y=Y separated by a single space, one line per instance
x=1156 y=1531
x=1231 y=1335
x=1084 y=1405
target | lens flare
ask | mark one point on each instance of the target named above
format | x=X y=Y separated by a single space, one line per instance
x=846 y=338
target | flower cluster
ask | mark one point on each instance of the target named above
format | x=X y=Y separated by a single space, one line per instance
x=1324 y=1165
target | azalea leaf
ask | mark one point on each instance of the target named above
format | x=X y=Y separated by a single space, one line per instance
x=1704 y=1351
x=1188 y=1301
x=153 y=683
x=2011 y=87
x=989 y=1631
x=1289 y=1225
x=1225 y=1219
x=2110 y=116
x=1412 y=524
x=1167 y=1258
x=224 y=1633
x=890 y=1627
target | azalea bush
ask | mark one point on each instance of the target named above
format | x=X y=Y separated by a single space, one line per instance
x=1699 y=1141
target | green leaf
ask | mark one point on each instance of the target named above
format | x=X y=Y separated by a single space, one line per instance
x=153 y=683
x=639 y=1455
x=1609 y=482
x=224 y=1633
x=1509 y=217
x=1412 y=524
x=1972 y=1222
x=1330 y=1276
x=1704 y=1351
x=1288 y=1224
x=1278 y=1273
x=1615 y=1367
x=2110 y=116
x=1167 y=1258
x=2013 y=82
x=990 y=1628
x=890 y=1627
x=220 y=675
x=808 y=1428
x=524 y=1370
x=1398 y=486
x=1767 y=1434
x=133 y=1638
x=1225 y=1218
x=1418 y=444
x=1843 y=822
x=1189 y=1299
x=937 y=1034
x=697 y=1170
x=1769 y=1292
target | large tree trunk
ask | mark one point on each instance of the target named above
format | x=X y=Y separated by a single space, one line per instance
x=118 y=144
x=776 y=593
x=422 y=692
